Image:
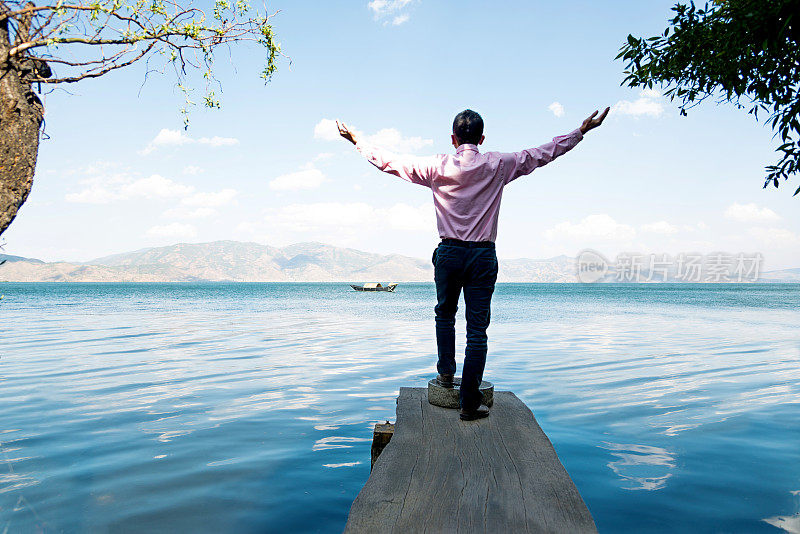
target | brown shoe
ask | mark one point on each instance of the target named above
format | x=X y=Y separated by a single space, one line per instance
x=479 y=413
x=446 y=381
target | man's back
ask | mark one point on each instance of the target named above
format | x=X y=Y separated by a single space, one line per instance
x=467 y=186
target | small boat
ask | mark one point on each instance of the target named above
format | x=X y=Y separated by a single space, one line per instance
x=374 y=286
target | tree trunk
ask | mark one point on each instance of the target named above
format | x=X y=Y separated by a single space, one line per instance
x=21 y=114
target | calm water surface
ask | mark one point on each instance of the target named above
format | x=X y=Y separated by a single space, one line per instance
x=249 y=407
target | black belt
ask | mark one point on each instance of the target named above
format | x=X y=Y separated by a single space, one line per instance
x=468 y=244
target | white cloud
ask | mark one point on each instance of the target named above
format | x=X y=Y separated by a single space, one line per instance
x=191 y=170
x=308 y=178
x=392 y=139
x=599 y=227
x=557 y=109
x=101 y=184
x=381 y=7
x=326 y=129
x=105 y=189
x=115 y=187
x=660 y=227
x=320 y=215
x=210 y=200
x=155 y=186
x=173 y=230
x=100 y=167
x=778 y=237
x=404 y=217
x=218 y=141
x=390 y=11
x=353 y=216
x=750 y=213
x=649 y=103
x=245 y=227
x=167 y=137
x=92 y=195
x=388 y=138
x=183 y=212
x=399 y=19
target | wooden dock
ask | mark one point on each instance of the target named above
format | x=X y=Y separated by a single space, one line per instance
x=441 y=474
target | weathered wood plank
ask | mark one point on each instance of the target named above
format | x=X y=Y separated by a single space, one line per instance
x=381 y=437
x=441 y=474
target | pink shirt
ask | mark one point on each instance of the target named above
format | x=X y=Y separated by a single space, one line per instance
x=467 y=186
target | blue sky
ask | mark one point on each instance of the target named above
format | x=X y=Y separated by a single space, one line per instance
x=118 y=172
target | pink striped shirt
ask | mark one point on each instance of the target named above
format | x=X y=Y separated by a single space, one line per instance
x=468 y=185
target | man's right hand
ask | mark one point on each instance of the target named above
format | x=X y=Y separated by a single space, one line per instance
x=346 y=133
x=591 y=123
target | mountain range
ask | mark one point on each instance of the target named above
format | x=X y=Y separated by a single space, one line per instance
x=236 y=261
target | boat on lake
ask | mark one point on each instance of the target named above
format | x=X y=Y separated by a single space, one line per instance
x=374 y=286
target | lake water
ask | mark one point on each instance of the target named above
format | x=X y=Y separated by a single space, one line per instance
x=250 y=407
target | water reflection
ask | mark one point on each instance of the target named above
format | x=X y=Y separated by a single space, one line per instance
x=642 y=467
x=345 y=464
x=790 y=524
x=253 y=405
x=337 y=442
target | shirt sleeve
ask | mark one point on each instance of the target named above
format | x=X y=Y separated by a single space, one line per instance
x=521 y=163
x=411 y=168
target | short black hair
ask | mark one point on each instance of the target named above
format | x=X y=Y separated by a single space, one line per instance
x=468 y=127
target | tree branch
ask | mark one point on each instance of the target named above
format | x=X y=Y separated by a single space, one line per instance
x=90 y=38
x=97 y=74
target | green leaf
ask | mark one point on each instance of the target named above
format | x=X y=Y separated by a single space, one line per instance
x=734 y=51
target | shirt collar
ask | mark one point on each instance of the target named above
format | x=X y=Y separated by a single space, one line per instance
x=467 y=146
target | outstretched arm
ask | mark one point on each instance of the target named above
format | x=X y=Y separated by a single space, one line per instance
x=524 y=162
x=414 y=170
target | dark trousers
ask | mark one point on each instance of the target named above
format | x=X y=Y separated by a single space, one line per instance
x=473 y=269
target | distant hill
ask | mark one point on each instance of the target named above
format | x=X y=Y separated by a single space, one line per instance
x=253 y=262
x=228 y=261
x=784 y=275
x=9 y=258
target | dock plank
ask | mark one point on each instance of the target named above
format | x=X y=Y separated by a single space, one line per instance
x=441 y=474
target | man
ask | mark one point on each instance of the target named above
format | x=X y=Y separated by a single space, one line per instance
x=467 y=188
